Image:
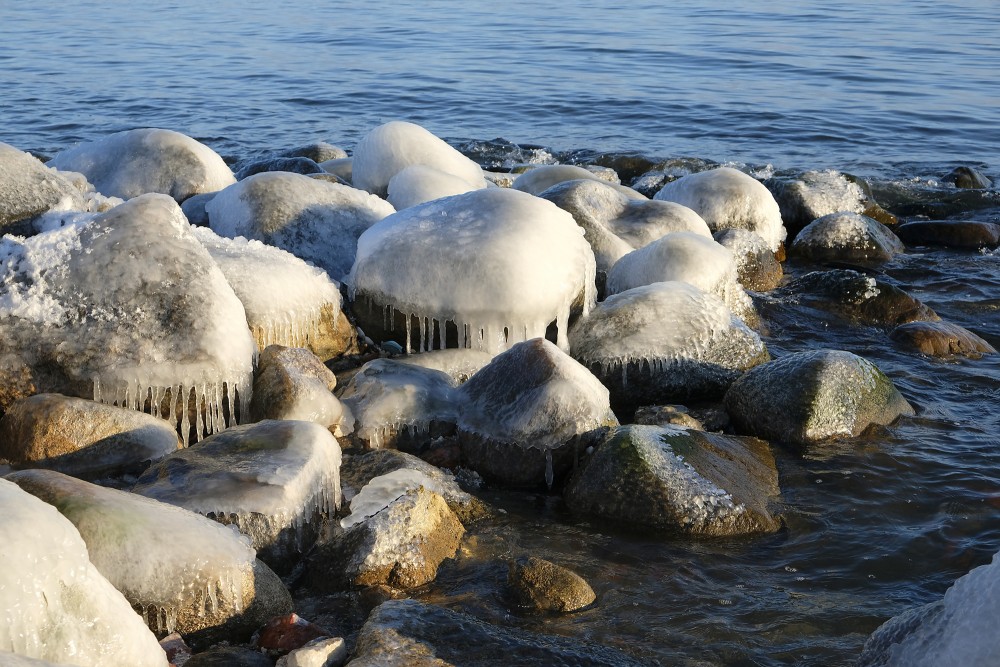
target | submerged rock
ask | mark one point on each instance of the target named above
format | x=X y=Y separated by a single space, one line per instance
x=28 y=189
x=847 y=237
x=941 y=339
x=813 y=396
x=756 y=266
x=292 y=383
x=971 y=234
x=538 y=584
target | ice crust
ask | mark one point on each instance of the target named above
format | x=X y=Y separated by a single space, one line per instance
x=500 y=264
x=538 y=180
x=384 y=490
x=460 y=364
x=419 y=183
x=163 y=559
x=29 y=188
x=727 y=198
x=128 y=164
x=314 y=220
x=54 y=604
x=390 y=148
x=845 y=231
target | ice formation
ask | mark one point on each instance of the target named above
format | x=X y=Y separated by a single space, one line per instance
x=131 y=309
x=419 y=183
x=383 y=490
x=727 y=198
x=817 y=193
x=388 y=149
x=286 y=299
x=501 y=265
x=292 y=383
x=164 y=559
x=29 y=188
x=128 y=164
x=314 y=220
x=459 y=364
x=54 y=604
x=541 y=178
x=847 y=236
x=387 y=396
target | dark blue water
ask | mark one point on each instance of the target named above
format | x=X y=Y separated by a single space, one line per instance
x=902 y=91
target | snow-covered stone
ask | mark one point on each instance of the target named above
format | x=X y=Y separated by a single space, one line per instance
x=420 y=183
x=846 y=237
x=673 y=479
x=54 y=604
x=274 y=480
x=28 y=188
x=729 y=199
x=292 y=383
x=814 y=194
x=390 y=148
x=756 y=266
x=135 y=162
x=484 y=270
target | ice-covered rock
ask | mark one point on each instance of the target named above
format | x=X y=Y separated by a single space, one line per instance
x=383 y=490
x=671 y=479
x=684 y=257
x=135 y=162
x=287 y=301
x=390 y=148
x=83 y=438
x=756 y=266
x=314 y=220
x=400 y=405
x=524 y=416
x=459 y=364
x=320 y=151
x=327 y=652
x=814 y=194
x=28 y=188
x=342 y=168
x=128 y=309
x=54 y=604
x=729 y=199
x=538 y=179
x=941 y=339
x=8 y=659
x=274 y=480
x=420 y=183
x=812 y=396
x=665 y=342
x=483 y=270
x=846 y=237
x=292 y=383
x=542 y=585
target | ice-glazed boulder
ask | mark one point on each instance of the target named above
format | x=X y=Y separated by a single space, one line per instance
x=814 y=194
x=672 y=479
x=665 y=342
x=459 y=364
x=756 y=266
x=135 y=162
x=538 y=179
x=420 y=183
x=383 y=490
x=525 y=416
x=54 y=603
x=390 y=148
x=812 y=396
x=83 y=438
x=287 y=301
x=127 y=309
x=729 y=199
x=684 y=257
x=292 y=383
x=274 y=480
x=848 y=237
x=28 y=188
x=484 y=270
x=314 y=220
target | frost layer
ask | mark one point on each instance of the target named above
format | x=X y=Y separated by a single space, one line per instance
x=419 y=183
x=384 y=490
x=54 y=604
x=165 y=560
x=729 y=199
x=128 y=164
x=847 y=236
x=132 y=308
x=499 y=265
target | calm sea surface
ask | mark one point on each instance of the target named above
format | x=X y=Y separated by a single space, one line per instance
x=898 y=91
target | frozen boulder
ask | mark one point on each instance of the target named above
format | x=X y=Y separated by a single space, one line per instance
x=400 y=405
x=484 y=270
x=964 y=234
x=538 y=584
x=319 y=151
x=83 y=438
x=128 y=309
x=941 y=339
x=671 y=479
x=340 y=168
x=459 y=364
x=419 y=183
x=287 y=301
x=846 y=237
x=525 y=416
x=326 y=652
x=729 y=199
x=390 y=148
x=665 y=342
x=538 y=179
x=135 y=162
x=314 y=220
x=28 y=188
x=814 y=194
x=814 y=396
x=292 y=383
x=55 y=604
x=274 y=480
x=756 y=266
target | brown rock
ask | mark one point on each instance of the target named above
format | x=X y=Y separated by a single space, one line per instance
x=970 y=234
x=545 y=586
x=757 y=268
x=292 y=383
x=286 y=633
x=941 y=339
x=654 y=415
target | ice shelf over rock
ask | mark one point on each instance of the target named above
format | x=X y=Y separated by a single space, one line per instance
x=128 y=309
x=383 y=490
x=128 y=164
x=419 y=183
x=54 y=604
x=493 y=266
x=459 y=364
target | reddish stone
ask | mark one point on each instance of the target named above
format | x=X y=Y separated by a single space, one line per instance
x=287 y=633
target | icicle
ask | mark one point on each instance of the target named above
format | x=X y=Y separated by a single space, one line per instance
x=181 y=403
x=97 y=389
x=562 y=327
x=407 y=334
x=625 y=374
x=549 y=474
x=442 y=327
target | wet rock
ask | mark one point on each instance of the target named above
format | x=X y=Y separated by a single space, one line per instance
x=320 y=151
x=670 y=479
x=971 y=234
x=413 y=634
x=856 y=297
x=539 y=584
x=526 y=414
x=194 y=208
x=83 y=438
x=907 y=200
x=814 y=194
x=967 y=178
x=813 y=396
x=287 y=633
x=292 y=165
x=275 y=480
x=330 y=652
x=230 y=656
x=628 y=166
x=661 y=415
x=292 y=383
x=846 y=237
x=756 y=266
x=28 y=188
x=941 y=339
